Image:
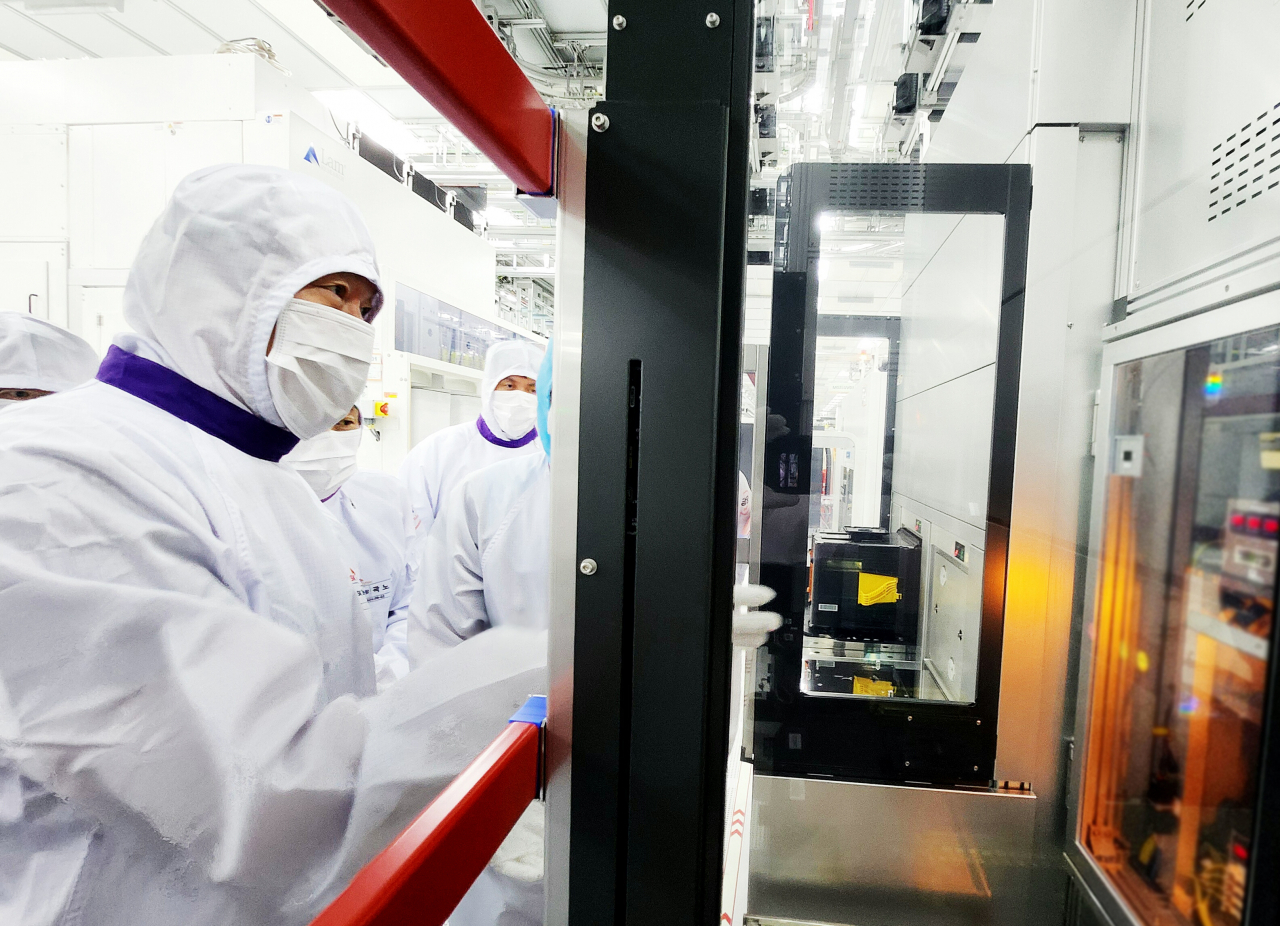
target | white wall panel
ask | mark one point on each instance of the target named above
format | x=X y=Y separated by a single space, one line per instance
x=33 y=182
x=122 y=175
x=988 y=115
x=942 y=451
x=951 y=308
x=1209 y=129
x=1085 y=64
x=34 y=274
x=1036 y=63
x=156 y=89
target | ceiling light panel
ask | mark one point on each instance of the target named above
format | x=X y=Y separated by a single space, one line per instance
x=98 y=33
x=310 y=24
x=237 y=19
x=30 y=38
x=168 y=28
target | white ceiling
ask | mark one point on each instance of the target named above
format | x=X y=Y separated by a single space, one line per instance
x=319 y=55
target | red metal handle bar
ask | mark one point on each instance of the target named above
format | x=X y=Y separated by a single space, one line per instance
x=427 y=869
x=448 y=52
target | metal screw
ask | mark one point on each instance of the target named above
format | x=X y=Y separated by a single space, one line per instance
x=713 y=20
x=908 y=717
x=975 y=768
x=600 y=122
x=979 y=723
x=908 y=764
x=587 y=567
x=619 y=22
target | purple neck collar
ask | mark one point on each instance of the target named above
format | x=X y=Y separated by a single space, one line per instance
x=177 y=395
x=495 y=439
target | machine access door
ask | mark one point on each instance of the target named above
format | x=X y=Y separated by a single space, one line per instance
x=888 y=469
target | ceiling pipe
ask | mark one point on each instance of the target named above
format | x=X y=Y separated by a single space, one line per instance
x=448 y=52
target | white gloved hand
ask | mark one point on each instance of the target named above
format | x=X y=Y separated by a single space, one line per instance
x=752 y=628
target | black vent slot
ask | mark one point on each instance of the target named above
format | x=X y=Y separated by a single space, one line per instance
x=757 y=258
x=430 y=192
x=381 y=158
x=906 y=92
x=1245 y=164
x=933 y=16
x=464 y=216
x=1193 y=7
x=877 y=187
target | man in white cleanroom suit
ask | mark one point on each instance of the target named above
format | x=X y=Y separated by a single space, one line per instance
x=505 y=429
x=486 y=565
x=38 y=358
x=375 y=523
x=187 y=677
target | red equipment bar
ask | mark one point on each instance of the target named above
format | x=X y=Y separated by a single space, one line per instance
x=448 y=52
x=423 y=874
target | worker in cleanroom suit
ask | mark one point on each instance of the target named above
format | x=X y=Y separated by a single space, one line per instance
x=505 y=429
x=38 y=358
x=486 y=565
x=187 y=677
x=485 y=562
x=376 y=527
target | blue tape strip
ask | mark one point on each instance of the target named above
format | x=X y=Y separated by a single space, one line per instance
x=534 y=711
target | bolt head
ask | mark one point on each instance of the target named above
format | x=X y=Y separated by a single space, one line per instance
x=619 y=22
x=713 y=20
x=600 y=122
x=587 y=567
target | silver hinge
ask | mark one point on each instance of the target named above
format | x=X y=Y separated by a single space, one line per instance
x=1093 y=422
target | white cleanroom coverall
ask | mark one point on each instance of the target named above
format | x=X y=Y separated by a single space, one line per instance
x=185 y=675
x=374 y=511
x=35 y=354
x=442 y=460
x=485 y=563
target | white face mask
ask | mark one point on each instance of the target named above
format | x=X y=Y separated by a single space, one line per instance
x=327 y=460
x=317 y=366
x=514 y=413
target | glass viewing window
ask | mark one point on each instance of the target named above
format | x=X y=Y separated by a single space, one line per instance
x=1183 y=613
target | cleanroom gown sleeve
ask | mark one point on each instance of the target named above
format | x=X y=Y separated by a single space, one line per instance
x=448 y=603
x=135 y=685
x=392 y=658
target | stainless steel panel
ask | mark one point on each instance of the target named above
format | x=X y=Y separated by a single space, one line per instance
x=843 y=852
x=1207 y=126
x=951 y=302
x=942 y=453
x=955 y=618
x=570 y=185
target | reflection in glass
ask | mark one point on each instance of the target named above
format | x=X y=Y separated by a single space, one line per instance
x=1183 y=615
x=902 y=390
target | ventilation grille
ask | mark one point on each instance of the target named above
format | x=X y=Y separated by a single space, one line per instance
x=896 y=187
x=1078 y=911
x=1245 y=165
x=1193 y=7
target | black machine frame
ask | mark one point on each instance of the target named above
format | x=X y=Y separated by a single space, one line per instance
x=880 y=739
x=665 y=251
